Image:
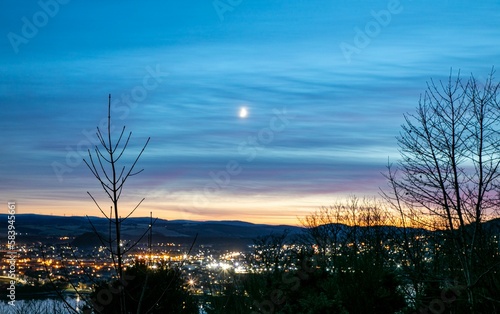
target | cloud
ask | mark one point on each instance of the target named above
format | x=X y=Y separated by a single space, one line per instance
x=265 y=55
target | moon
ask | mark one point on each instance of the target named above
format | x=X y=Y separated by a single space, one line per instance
x=243 y=112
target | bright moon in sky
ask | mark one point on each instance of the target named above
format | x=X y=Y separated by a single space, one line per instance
x=243 y=112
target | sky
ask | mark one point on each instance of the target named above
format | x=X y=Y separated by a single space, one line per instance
x=325 y=85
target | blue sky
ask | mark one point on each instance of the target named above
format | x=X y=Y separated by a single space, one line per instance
x=326 y=84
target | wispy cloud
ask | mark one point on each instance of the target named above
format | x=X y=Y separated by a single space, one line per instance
x=264 y=55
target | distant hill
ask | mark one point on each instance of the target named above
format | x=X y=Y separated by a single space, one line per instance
x=493 y=225
x=33 y=226
x=87 y=240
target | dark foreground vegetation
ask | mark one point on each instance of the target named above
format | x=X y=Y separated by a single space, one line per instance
x=367 y=268
x=429 y=245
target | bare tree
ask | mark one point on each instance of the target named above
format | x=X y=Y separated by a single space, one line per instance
x=105 y=165
x=355 y=247
x=448 y=174
x=341 y=229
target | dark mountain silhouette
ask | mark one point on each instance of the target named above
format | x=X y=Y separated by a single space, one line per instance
x=33 y=227
x=87 y=240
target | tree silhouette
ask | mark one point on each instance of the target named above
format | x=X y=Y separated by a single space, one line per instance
x=105 y=165
x=351 y=240
x=165 y=292
x=448 y=175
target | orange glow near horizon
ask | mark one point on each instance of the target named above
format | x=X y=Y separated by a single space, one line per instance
x=257 y=210
x=273 y=210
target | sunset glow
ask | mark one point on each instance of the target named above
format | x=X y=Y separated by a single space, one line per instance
x=260 y=113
